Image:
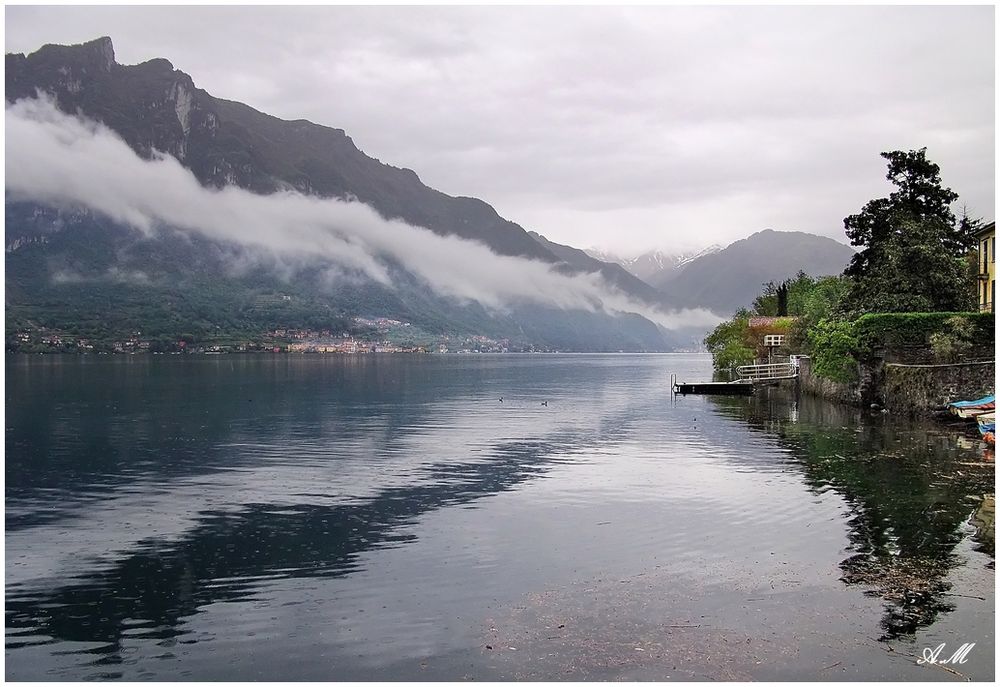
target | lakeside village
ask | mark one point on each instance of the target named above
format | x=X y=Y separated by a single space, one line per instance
x=385 y=335
x=907 y=329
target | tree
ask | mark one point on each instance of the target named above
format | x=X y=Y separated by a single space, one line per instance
x=914 y=273
x=795 y=293
x=729 y=342
x=918 y=196
x=821 y=301
x=911 y=243
x=782 y=295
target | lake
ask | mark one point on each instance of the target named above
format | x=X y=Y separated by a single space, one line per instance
x=388 y=517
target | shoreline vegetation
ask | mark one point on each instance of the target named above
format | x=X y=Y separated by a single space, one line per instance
x=909 y=297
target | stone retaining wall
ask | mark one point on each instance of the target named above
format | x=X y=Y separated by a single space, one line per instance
x=909 y=389
x=815 y=385
x=904 y=389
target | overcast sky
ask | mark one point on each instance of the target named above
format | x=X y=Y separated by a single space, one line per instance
x=626 y=129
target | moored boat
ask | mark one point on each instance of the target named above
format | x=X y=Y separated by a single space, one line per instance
x=971 y=409
x=972 y=413
x=987 y=423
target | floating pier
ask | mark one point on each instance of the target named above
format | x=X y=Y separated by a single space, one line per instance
x=750 y=377
x=719 y=388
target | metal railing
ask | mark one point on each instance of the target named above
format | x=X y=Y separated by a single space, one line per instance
x=757 y=373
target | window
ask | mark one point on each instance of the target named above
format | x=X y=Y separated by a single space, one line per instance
x=986 y=255
x=993 y=242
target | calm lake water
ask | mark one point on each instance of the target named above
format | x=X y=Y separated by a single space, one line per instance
x=387 y=517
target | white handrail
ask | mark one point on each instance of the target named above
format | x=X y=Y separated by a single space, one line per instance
x=767 y=371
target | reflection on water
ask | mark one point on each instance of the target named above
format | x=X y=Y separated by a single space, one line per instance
x=984 y=521
x=910 y=487
x=387 y=517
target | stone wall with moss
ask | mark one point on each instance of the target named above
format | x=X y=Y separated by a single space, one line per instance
x=908 y=363
x=814 y=384
x=907 y=389
x=903 y=389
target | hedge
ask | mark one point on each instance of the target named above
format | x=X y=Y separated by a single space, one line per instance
x=890 y=330
x=836 y=345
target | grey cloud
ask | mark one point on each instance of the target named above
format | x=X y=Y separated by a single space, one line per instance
x=629 y=128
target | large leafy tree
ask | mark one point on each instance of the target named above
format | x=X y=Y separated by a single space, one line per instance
x=914 y=274
x=911 y=244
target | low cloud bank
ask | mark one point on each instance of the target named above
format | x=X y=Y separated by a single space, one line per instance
x=67 y=161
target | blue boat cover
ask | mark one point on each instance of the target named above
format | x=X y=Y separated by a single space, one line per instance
x=965 y=404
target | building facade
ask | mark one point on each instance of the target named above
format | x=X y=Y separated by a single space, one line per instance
x=987 y=237
x=769 y=337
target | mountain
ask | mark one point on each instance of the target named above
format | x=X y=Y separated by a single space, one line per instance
x=67 y=266
x=604 y=256
x=728 y=279
x=654 y=267
x=152 y=106
x=657 y=268
x=575 y=259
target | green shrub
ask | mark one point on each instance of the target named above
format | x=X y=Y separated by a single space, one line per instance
x=834 y=344
x=782 y=324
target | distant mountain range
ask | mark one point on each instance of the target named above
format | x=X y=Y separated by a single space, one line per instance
x=654 y=267
x=65 y=267
x=725 y=279
x=728 y=279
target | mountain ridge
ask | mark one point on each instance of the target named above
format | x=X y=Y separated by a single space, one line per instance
x=653 y=266
x=154 y=107
x=728 y=279
x=223 y=142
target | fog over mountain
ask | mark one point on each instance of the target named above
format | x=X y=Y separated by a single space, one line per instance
x=141 y=147
x=627 y=128
x=191 y=197
x=63 y=160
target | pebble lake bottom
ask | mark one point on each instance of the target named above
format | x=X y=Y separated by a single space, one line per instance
x=377 y=517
